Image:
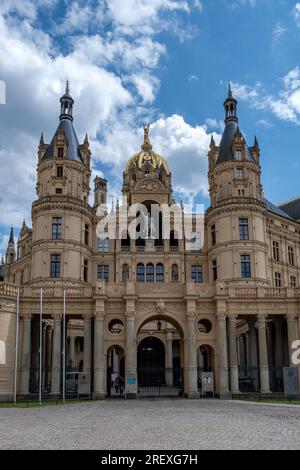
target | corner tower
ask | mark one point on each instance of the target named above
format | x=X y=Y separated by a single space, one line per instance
x=61 y=215
x=236 y=218
x=234 y=168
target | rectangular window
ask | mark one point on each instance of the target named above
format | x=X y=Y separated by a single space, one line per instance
x=103 y=272
x=244 y=229
x=213 y=235
x=291 y=256
x=238 y=155
x=58 y=191
x=197 y=273
x=103 y=245
x=85 y=270
x=277 y=279
x=59 y=171
x=276 y=251
x=246 y=266
x=239 y=173
x=293 y=281
x=55 y=266
x=86 y=235
x=215 y=270
x=56 y=228
x=60 y=152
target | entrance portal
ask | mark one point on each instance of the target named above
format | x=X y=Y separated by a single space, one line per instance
x=160 y=358
x=151 y=363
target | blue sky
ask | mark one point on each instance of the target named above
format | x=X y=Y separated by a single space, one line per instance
x=134 y=61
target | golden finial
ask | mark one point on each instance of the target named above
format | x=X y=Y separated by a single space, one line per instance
x=147 y=144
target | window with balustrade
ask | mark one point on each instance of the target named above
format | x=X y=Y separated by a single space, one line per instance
x=246 y=266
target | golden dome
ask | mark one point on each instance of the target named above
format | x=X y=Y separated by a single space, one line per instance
x=147 y=155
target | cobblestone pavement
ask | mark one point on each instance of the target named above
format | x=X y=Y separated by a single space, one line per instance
x=152 y=424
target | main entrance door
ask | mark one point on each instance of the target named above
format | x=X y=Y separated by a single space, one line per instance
x=151 y=363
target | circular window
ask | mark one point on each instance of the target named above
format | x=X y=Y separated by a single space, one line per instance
x=204 y=326
x=116 y=327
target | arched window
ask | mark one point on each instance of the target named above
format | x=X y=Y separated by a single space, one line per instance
x=140 y=273
x=150 y=273
x=160 y=273
x=175 y=276
x=125 y=272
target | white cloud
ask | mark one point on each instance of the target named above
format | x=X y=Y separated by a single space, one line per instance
x=285 y=105
x=296 y=13
x=278 y=32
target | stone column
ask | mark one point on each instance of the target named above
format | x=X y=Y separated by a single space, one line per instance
x=130 y=360
x=99 y=360
x=234 y=370
x=25 y=359
x=263 y=354
x=279 y=352
x=56 y=355
x=72 y=350
x=253 y=354
x=292 y=335
x=169 y=374
x=44 y=353
x=223 y=356
x=192 y=355
x=87 y=344
x=48 y=355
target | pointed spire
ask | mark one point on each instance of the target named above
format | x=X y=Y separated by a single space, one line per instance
x=86 y=141
x=147 y=144
x=230 y=105
x=212 y=142
x=42 y=139
x=11 y=237
x=256 y=144
x=66 y=102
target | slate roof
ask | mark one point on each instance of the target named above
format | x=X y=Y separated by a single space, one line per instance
x=73 y=152
x=292 y=208
x=276 y=210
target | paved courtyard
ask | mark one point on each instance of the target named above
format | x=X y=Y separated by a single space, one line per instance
x=152 y=424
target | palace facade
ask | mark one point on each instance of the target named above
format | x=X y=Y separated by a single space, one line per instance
x=155 y=312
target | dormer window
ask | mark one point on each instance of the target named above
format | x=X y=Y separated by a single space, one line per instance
x=60 y=152
x=238 y=155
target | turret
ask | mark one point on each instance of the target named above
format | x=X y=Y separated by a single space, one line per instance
x=11 y=252
x=234 y=169
x=100 y=191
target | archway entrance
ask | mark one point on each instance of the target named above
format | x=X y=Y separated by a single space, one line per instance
x=160 y=357
x=115 y=383
x=151 y=362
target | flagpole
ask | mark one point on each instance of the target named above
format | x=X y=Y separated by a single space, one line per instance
x=16 y=345
x=64 y=349
x=41 y=347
